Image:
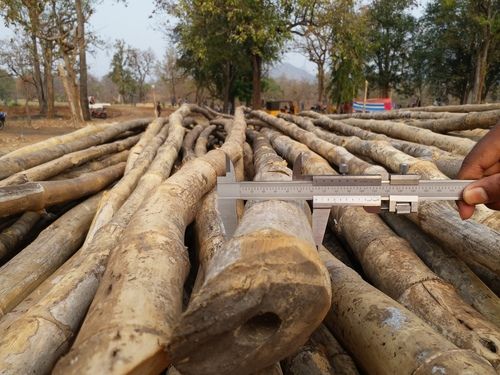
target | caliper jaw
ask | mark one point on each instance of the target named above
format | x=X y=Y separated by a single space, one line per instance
x=403 y=204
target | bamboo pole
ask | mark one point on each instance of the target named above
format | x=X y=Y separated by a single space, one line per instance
x=34 y=196
x=10 y=237
x=54 y=167
x=449 y=267
x=386 y=338
x=57 y=307
x=23 y=273
x=31 y=156
x=93 y=166
x=132 y=339
x=272 y=246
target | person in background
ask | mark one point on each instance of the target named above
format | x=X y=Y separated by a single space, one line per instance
x=158 y=109
x=482 y=164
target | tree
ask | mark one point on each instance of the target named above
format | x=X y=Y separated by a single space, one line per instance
x=317 y=41
x=7 y=86
x=82 y=51
x=390 y=36
x=120 y=74
x=169 y=72
x=216 y=36
x=348 y=51
x=141 y=64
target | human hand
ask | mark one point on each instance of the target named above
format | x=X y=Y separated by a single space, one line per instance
x=483 y=164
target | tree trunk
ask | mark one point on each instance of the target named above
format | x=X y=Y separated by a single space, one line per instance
x=82 y=52
x=391 y=347
x=69 y=88
x=321 y=82
x=10 y=237
x=189 y=141
x=458 y=108
x=49 y=78
x=468 y=121
x=59 y=305
x=200 y=147
x=449 y=267
x=93 y=166
x=256 y=80
x=151 y=131
x=53 y=148
x=22 y=274
x=156 y=236
x=54 y=167
x=231 y=326
x=37 y=74
x=34 y=196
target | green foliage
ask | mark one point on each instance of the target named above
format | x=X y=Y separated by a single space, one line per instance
x=121 y=74
x=7 y=86
x=348 y=51
x=390 y=37
x=450 y=36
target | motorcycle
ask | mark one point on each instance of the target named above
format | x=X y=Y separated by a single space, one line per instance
x=3 y=117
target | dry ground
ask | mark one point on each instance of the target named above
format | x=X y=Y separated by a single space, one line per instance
x=20 y=130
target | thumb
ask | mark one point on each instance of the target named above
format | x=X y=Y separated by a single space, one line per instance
x=486 y=190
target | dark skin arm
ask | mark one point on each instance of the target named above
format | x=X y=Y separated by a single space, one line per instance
x=483 y=164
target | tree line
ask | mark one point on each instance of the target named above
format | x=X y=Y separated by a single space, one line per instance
x=221 y=49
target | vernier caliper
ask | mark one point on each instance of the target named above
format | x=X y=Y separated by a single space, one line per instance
x=400 y=193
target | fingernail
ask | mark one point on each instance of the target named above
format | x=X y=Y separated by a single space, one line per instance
x=475 y=195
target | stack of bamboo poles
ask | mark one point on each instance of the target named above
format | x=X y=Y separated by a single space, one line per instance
x=115 y=258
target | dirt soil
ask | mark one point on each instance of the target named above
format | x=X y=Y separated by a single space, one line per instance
x=21 y=130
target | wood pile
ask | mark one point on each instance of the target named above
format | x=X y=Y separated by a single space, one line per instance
x=114 y=258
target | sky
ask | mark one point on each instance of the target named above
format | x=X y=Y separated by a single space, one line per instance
x=132 y=23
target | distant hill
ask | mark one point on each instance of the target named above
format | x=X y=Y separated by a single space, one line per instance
x=291 y=72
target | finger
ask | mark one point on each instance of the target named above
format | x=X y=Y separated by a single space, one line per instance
x=465 y=210
x=485 y=190
x=482 y=156
x=494 y=169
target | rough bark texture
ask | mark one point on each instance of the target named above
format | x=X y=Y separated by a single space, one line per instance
x=474 y=120
x=132 y=339
x=23 y=273
x=381 y=334
x=398 y=130
x=57 y=307
x=377 y=248
x=54 y=167
x=458 y=108
x=334 y=154
x=232 y=325
x=42 y=152
x=34 y=196
x=200 y=147
x=248 y=162
x=113 y=200
x=189 y=141
x=151 y=131
x=406 y=279
x=449 y=267
x=93 y=166
x=10 y=237
x=311 y=359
